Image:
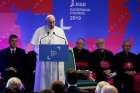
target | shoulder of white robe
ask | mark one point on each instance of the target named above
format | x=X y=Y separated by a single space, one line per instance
x=36 y=35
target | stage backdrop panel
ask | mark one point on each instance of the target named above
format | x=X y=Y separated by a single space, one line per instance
x=113 y=20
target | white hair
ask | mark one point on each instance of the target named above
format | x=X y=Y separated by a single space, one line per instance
x=100 y=85
x=100 y=40
x=109 y=89
x=14 y=82
x=48 y=16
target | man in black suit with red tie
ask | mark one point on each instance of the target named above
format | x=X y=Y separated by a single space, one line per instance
x=13 y=59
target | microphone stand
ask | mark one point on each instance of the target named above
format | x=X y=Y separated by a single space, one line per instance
x=57 y=62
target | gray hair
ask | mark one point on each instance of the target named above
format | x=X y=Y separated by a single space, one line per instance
x=48 y=16
x=109 y=89
x=100 y=85
x=13 y=83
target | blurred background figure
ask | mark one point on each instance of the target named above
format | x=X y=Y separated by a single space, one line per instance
x=137 y=76
x=14 y=85
x=30 y=70
x=100 y=85
x=71 y=79
x=58 y=87
x=46 y=91
x=109 y=89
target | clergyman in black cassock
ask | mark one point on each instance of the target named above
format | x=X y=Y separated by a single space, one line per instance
x=126 y=69
x=81 y=54
x=101 y=61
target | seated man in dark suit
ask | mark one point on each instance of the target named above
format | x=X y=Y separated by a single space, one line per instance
x=101 y=61
x=126 y=68
x=81 y=54
x=13 y=57
x=71 y=79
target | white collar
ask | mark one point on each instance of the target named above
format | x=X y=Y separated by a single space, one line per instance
x=48 y=29
x=12 y=49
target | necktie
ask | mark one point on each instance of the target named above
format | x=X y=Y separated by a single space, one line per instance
x=13 y=52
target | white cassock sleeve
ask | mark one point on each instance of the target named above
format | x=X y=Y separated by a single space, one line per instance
x=35 y=39
x=48 y=72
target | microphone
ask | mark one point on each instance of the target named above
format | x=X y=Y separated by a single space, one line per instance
x=60 y=37
x=44 y=36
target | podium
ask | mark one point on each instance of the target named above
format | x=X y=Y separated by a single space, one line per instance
x=53 y=53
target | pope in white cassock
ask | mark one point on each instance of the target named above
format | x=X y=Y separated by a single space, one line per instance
x=48 y=72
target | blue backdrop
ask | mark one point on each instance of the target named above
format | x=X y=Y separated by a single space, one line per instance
x=113 y=20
